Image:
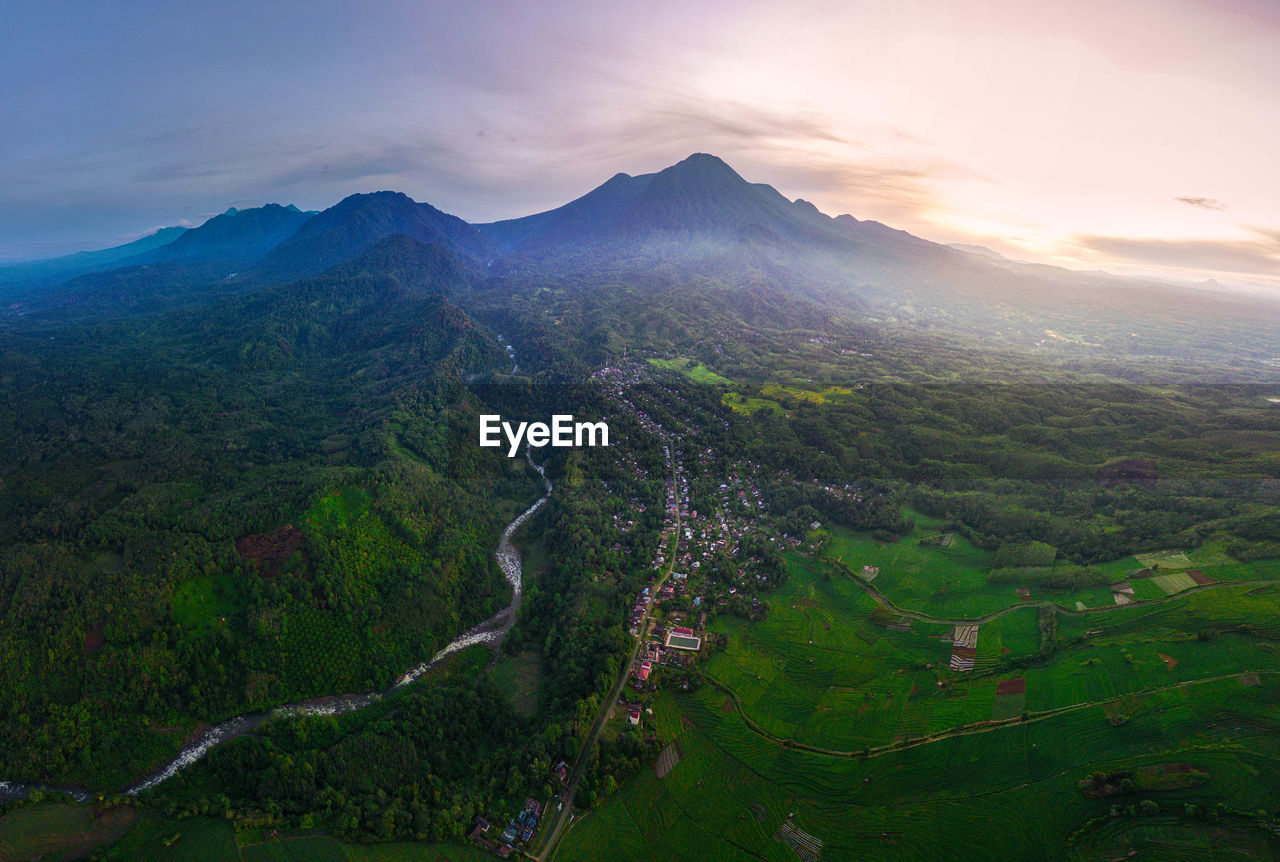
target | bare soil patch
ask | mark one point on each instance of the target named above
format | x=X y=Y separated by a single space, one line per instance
x=1017 y=685
x=272 y=549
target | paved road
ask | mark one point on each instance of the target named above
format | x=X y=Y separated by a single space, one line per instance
x=566 y=796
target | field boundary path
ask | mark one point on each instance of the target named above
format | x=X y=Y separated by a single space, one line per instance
x=985 y=726
x=986 y=618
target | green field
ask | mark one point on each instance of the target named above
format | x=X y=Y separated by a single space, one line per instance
x=156 y=838
x=60 y=831
x=695 y=371
x=922 y=574
x=847 y=717
x=518 y=677
x=748 y=404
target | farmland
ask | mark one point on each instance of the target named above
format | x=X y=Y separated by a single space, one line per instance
x=692 y=369
x=158 y=839
x=839 y=719
x=925 y=575
x=60 y=831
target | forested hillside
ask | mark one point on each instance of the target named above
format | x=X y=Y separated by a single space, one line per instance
x=207 y=513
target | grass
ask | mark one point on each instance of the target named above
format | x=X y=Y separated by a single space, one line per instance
x=340 y=509
x=207 y=602
x=695 y=371
x=306 y=848
x=202 y=839
x=800 y=393
x=412 y=852
x=824 y=670
x=1165 y=560
x=61 y=831
x=517 y=677
x=157 y=838
x=918 y=573
x=749 y=404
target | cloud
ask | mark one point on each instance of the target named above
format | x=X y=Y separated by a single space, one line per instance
x=1202 y=203
x=1255 y=257
x=892 y=193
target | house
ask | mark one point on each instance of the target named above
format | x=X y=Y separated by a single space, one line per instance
x=562 y=771
x=477 y=834
x=634 y=717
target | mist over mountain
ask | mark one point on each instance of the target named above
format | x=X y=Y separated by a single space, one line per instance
x=695 y=225
x=356 y=223
x=235 y=235
x=17 y=276
x=697 y=201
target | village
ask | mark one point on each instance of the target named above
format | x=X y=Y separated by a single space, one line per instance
x=700 y=567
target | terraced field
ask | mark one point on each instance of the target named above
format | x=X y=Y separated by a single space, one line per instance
x=839 y=718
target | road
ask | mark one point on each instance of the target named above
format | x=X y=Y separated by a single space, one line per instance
x=564 y=815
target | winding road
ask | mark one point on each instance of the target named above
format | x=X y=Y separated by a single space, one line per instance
x=563 y=815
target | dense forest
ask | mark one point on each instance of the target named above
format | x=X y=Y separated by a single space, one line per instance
x=220 y=496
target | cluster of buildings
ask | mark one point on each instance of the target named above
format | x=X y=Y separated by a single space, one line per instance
x=519 y=830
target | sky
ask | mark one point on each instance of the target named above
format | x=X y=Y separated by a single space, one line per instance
x=1132 y=136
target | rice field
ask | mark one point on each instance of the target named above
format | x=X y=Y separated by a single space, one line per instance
x=846 y=722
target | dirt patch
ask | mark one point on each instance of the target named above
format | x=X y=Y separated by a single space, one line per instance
x=1199 y=577
x=728 y=706
x=1169 y=661
x=93 y=639
x=1131 y=471
x=759 y=811
x=1170 y=776
x=1249 y=679
x=271 y=550
x=667 y=759
x=1017 y=685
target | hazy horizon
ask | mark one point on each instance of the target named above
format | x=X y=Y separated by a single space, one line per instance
x=1135 y=140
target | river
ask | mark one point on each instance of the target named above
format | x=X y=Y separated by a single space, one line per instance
x=491 y=632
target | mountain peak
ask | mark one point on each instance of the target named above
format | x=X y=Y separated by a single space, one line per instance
x=703 y=164
x=702 y=159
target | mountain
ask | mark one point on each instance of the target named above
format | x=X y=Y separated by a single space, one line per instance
x=699 y=198
x=420 y=268
x=235 y=235
x=696 y=200
x=695 y=225
x=980 y=250
x=356 y=224
x=19 y=276
x=393 y=299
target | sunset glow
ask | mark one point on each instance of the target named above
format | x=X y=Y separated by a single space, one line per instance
x=1137 y=137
